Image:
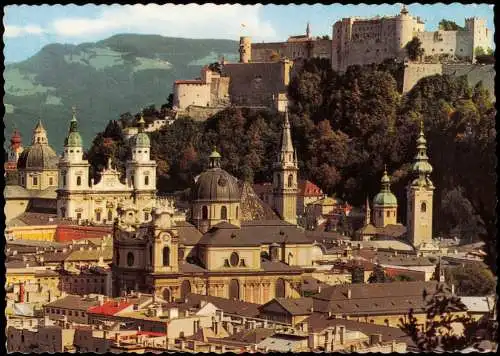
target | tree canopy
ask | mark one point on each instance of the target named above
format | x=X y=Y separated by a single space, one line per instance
x=448 y=25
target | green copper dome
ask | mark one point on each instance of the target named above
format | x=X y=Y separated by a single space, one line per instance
x=385 y=197
x=74 y=139
x=142 y=138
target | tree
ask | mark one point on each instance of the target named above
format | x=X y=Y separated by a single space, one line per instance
x=479 y=51
x=414 y=49
x=215 y=67
x=403 y=278
x=444 y=312
x=378 y=275
x=471 y=280
x=358 y=275
x=447 y=25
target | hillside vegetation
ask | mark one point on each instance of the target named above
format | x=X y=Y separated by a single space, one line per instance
x=345 y=128
x=102 y=79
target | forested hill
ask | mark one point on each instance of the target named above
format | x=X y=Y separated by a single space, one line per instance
x=102 y=79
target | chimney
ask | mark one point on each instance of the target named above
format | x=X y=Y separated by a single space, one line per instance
x=349 y=293
x=319 y=288
x=453 y=289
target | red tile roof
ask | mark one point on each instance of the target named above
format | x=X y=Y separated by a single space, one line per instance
x=76 y=232
x=309 y=189
x=150 y=333
x=110 y=307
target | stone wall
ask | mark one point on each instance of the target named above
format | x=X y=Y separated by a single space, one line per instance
x=474 y=72
x=416 y=71
x=198 y=113
x=315 y=48
x=186 y=94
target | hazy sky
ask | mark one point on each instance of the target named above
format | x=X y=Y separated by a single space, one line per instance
x=29 y=28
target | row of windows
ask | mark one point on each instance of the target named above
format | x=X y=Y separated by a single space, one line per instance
x=76 y=280
x=35 y=180
x=223 y=212
x=63 y=312
x=290 y=180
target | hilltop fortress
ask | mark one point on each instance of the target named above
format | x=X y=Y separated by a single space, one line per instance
x=366 y=41
x=264 y=70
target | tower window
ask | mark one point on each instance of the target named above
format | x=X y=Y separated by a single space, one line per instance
x=51 y=181
x=35 y=180
x=278 y=180
x=150 y=255
x=22 y=179
x=78 y=180
x=146 y=180
x=78 y=216
x=110 y=215
x=423 y=207
x=223 y=213
x=204 y=212
x=63 y=174
x=63 y=212
x=234 y=259
x=237 y=212
x=130 y=259
x=166 y=256
x=379 y=214
x=290 y=180
x=117 y=258
x=146 y=216
x=98 y=215
x=388 y=214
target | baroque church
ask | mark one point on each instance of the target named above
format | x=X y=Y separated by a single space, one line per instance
x=217 y=251
x=83 y=200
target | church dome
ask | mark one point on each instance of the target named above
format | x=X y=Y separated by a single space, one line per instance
x=140 y=140
x=38 y=156
x=215 y=184
x=73 y=140
x=385 y=199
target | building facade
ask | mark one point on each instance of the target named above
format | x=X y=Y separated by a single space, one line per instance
x=365 y=41
x=79 y=199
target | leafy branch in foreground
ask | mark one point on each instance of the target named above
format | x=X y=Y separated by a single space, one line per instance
x=447 y=327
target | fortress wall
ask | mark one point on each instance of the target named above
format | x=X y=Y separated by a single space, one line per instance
x=261 y=52
x=254 y=84
x=198 y=113
x=457 y=43
x=191 y=94
x=322 y=49
x=219 y=92
x=416 y=71
x=474 y=73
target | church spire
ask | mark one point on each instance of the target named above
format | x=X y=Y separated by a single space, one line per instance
x=308 y=30
x=421 y=166
x=287 y=154
x=73 y=139
x=386 y=181
x=39 y=134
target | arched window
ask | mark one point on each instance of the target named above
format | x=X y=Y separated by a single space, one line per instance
x=130 y=259
x=234 y=259
x=388 y=214
x=110 y=215
x=223 y=212
x=117 y=258
x=234 y=289
x=151 y=255
x=51 y=181
x=146 y=216
x=278 y=180
x=78 y=180
x=166 y=256
x=35 y=180
x=280 y=288
x=237 y=213
x=63 y=174
x=166 y=295
x=290 y=180
x=98 y=216
x=423 y=207
x=146 y=180
x=185 y=289
x=386 y=321
x=204 y=212
x=290 y=257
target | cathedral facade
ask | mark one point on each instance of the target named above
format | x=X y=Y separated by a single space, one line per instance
x=83 y=200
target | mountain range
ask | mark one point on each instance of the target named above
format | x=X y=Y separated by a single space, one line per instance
x=102 y=80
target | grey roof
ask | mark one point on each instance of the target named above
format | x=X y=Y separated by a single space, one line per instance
x=188 y=233
x=31 y=218
x=215 y=184
x=253 y=336
x=296 y=306
x=38 y=156
x=253 y=233
x=229 y=306
x=74 y=302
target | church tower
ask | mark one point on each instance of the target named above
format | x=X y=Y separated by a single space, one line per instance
x=16 y=147
x=419 y=196
x=285 y=185
x=73 y=172
x=141 y=172
x=385 y=204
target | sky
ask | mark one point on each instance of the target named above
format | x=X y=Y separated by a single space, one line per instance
x=29 y=28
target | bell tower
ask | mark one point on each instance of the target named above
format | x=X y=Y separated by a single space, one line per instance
x=285 y=187
x=73 y=173
x=419 y=195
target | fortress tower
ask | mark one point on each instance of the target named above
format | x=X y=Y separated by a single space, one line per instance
x=285 y=186
x=245 y=49
x=419 y=196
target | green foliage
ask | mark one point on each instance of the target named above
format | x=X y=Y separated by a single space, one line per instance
x=479 y=51
x=379 y=276
x=403 y=278
x=414 y=49
x=443 y=312
x=448 y=25
x=471 y=280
